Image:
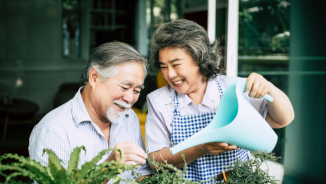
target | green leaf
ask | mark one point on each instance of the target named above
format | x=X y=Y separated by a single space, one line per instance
x=31 y=165
x=24 y=172
x=88 y=165
x=53 y=159
x=107 y=170
x=55 y=167
x=74 y=160
x=60 y=176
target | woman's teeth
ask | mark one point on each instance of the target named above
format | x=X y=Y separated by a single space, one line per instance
x=179 y=82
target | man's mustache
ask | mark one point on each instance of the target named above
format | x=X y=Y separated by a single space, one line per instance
x=122 y=103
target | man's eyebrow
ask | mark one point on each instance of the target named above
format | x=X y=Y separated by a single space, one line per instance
x=172 y=61
x=130 y=84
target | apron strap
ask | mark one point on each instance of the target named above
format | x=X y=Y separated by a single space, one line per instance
x=176 y=101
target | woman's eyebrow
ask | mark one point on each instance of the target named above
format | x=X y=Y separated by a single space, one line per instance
x=172 y=61
x=130 y=84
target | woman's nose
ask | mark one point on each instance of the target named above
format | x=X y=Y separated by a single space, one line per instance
x=171 y=73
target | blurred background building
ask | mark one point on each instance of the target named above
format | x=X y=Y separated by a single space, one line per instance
x=45 y=44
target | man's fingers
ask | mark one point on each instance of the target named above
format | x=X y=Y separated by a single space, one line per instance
x=133 y=163
x=131 y=148
x=133 y=158
x=137 y=150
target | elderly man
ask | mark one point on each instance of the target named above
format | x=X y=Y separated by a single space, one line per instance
x=100 y=114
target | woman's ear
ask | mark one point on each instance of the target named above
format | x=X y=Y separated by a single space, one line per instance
x=93 y=77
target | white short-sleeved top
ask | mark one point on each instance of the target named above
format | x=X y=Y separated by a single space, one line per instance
x=160 y=110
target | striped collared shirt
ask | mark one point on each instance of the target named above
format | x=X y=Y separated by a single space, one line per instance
x=70 y=125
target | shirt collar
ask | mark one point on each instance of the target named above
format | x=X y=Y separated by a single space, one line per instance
x=211 y=96
x=79 y=112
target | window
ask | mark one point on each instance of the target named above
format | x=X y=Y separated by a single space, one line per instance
x=71 y=29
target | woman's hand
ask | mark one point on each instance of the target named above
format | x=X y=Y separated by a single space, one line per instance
x=216 y=148
x=258 y=86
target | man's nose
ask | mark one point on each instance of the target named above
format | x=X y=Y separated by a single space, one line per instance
x=128 y=96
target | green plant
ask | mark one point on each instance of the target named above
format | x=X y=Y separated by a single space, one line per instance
x=164 y=174
x=249 y=171
x=55 y=173
x=243 y=172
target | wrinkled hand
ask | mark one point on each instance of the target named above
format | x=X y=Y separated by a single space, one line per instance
x=257 y=85
x=216 y=148
x=131 y=153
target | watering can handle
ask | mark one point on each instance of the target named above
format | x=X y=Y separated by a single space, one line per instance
x=268 y=98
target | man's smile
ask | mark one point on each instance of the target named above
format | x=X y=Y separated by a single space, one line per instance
x=120 y=106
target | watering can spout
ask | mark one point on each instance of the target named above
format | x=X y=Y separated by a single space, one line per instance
x=236 y=122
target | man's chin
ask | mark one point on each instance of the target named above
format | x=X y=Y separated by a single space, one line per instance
x=116 y=117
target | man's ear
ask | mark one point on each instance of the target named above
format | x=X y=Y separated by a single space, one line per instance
x=93 y=77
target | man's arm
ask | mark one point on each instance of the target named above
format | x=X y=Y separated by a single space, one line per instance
x=46 y=137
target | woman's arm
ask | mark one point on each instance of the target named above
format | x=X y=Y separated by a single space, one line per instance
x=280 y=111
x=191 y=154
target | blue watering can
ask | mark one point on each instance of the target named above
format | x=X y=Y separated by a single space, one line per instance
x=236 y=122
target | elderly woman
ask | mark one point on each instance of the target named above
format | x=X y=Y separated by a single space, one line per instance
x=189 y=62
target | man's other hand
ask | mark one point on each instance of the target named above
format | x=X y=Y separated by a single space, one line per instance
x=131 y=153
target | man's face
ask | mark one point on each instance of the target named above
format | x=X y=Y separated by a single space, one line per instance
x=119 y=93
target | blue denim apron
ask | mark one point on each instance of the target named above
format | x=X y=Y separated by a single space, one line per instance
x=208 y=165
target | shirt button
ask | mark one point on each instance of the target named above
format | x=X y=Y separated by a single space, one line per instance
x=127 y=115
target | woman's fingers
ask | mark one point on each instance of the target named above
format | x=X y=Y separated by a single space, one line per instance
x=218 y=148
x=257 y=85
x=260 y=91
x=250 y=81
x=217 y=152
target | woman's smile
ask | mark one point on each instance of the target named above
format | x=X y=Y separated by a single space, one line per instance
x=178 y=83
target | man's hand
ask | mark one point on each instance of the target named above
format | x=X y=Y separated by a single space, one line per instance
x=131 y=153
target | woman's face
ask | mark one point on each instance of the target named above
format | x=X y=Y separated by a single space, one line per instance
x=180 y=70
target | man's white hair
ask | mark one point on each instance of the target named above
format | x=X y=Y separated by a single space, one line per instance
x=106 y=58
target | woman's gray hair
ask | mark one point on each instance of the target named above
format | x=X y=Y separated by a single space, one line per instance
x=106 y=58
x=193 y=38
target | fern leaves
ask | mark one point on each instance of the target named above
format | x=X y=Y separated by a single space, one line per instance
x=88 y=165
x=55 y=173
x=74 y=160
